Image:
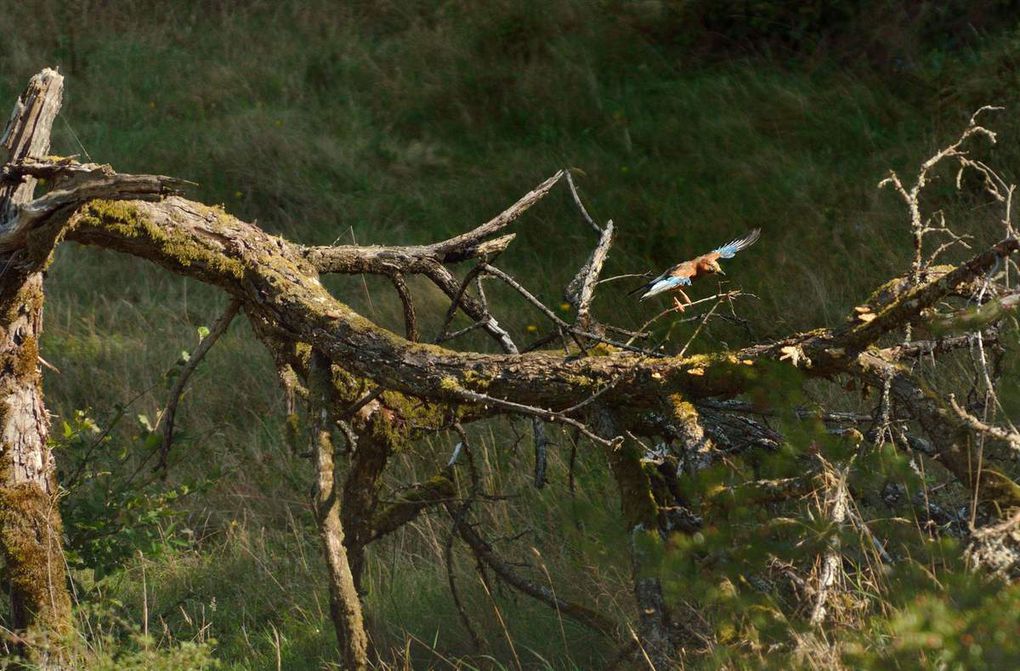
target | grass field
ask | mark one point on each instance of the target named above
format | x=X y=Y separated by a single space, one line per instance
x=401 y=122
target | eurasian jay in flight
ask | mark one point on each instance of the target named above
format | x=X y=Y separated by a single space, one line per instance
x=682 y=274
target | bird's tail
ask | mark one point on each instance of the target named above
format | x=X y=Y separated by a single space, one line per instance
x=643 y=287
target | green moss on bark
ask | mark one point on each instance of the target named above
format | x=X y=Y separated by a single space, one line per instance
x=636 y=499
x=30 y=531
x=125 y=219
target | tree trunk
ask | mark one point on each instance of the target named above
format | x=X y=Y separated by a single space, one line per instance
x=361 y=497
x=345 y=605
x=641 y=515
x=30 y=525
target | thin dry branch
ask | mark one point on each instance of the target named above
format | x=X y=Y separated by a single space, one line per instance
x=837 y=503
x=581 y=290
x=465 y=246
x=912 y=196
x=356 y=259
x=168 y=415
x=574 y=332
x=485 y=554
x=1010 y=437
x=547 y=415
x=473 y=308
x=580 y=205
x=410 y=321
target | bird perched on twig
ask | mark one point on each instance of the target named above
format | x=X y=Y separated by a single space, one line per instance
x=682 y=274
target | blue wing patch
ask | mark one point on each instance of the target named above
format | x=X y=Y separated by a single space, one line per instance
x=729 y=250
x=665 y=284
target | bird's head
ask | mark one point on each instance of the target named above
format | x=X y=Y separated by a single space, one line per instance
x=714 y=266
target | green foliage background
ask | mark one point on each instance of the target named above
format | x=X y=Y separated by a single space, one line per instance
x=404 y=122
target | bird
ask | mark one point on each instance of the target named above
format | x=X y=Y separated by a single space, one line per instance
x=682 y=274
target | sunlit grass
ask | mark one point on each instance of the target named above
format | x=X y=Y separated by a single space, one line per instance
x=405 y=123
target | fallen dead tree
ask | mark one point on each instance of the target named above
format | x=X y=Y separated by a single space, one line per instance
x=374 y=390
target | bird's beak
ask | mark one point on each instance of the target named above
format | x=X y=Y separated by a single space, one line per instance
x=722 y=272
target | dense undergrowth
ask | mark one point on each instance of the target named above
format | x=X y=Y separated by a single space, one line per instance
x=406 y=122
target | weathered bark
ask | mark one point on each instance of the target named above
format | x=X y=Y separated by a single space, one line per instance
x=345 y=605
x=361 y=499
x=30 y=524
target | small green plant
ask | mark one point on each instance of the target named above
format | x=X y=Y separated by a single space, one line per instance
x=115 y=505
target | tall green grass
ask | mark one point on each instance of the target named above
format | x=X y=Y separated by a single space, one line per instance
x=404 y=122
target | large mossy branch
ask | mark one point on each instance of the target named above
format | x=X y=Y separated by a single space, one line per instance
x=278 y=284
x=276 y=279
x=273 y=278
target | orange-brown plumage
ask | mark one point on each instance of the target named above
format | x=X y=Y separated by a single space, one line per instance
x=682 y=274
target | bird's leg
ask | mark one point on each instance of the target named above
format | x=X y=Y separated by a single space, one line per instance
x=676 y=301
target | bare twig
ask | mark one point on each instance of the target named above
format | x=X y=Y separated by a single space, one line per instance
x=726 y=295
x=167 y=418
x=355 y=259
x=912 y=196
x=581 y=290
x=457 y=302
x=547 y=415
x=555 y=319
x=458 y=333
x=486 y=555
x=465 y=245
x=449 y=285
x=701 y=325
x=1010 y=437
x=410 y=321
x=580 y=205
x=458 y=515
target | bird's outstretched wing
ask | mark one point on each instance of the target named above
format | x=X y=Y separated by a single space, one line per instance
x=729 y=250
x=663 y=282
